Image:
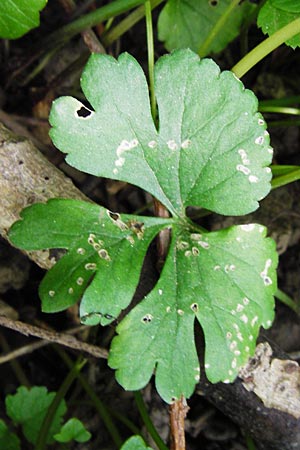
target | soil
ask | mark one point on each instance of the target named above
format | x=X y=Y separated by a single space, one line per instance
x=25 y=100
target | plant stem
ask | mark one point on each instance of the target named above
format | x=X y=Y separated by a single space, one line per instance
x=91 y=19
x=280 y=110
x=150 y=47
x=250 y=443
x=148 y=422
x=287 y=300
x=127 y=23
x=266 y=47
x=282 y=180
x=204 y=48
x=99 y=405
x=47 y=422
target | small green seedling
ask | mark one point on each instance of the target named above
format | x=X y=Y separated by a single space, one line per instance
x=28 y=408
x=211 y=150
x=135 y=443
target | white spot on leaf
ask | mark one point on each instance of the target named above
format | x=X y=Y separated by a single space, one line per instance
x=172 y=144
x=51 y=293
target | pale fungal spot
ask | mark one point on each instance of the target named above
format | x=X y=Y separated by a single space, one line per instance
x=79 y=281
x=70 y=290
x=152 y=144
x=226 y=268
x=90 y=266
x=195 y=236
x=264 y=274
x=236 y=327
x=233 y=345
x=180 y=312
x=147 y=318
x=188 y=253
x=172 y=144
x=51 y=293
x=81 y=251
x=237 y=352
x=259 y=140
x=239 y=307
x=261 y=122
x=182 y=245
x=270 y=150
x=226 y=381
x=91 y=239
x=228 y=335
x=168 y=309
x=233 y=312
x=238 y=239
x=204 y=245
x=195 y=251
x=115 y=171
x=251 y=337
x=232 y=267
x=244 y=156
x=124 y=147
x=268 y=169
x=244 y=318
x=239 y=336
x=186 y=143
x=269 y=323
x=197 y=369
x=254 y=320
x=243 y=169
x=160 y=291
x=247 y=349
x=97 y=246
x=246 y=301
x=130 y=239
x=253 y=179
x=197 y=377
x=230 y=372
x=104 y=254
x=266 y=133
x=194 y=307
x=217 y=267
x=233 y=364
x=207 y=366
x=248 y=227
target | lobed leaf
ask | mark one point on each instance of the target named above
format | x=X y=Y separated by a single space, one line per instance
x=211 y=140
x=28 y=408
x=73 y=429
x=187 y=23
x=17 y=17
x=135 y=443
x=100 y=245
x=275 y=14
x=8 y=440
x=226 y=279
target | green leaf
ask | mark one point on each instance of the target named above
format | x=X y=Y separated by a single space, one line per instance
x=17 y=17
x=8 y=440
x=226 y=279
x=73 y=430
x=28 y=408
x=211 y=140
x=275 y=14
x=187 y=23
x=100 y=245
x=135 y=443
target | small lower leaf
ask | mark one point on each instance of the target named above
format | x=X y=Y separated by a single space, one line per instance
x=8 y=440
x=135 y=443
x=73 y=430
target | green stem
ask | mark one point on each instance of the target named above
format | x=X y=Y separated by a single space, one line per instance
x=204 y=48
x=90 y=20
x=287 y=300
x=280 y=110
x=286 y=179
x=266 y=47
x=148 y=422
x=99 y=406
x=47 y=422
x=150 y=47
x=250 y=443
x=127 y=23
x=285 y=101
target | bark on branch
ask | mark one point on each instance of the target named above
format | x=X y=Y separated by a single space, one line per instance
x=27 y=177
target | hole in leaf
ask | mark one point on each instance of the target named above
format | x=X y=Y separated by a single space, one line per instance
x=83 y=112
x=213 y=2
